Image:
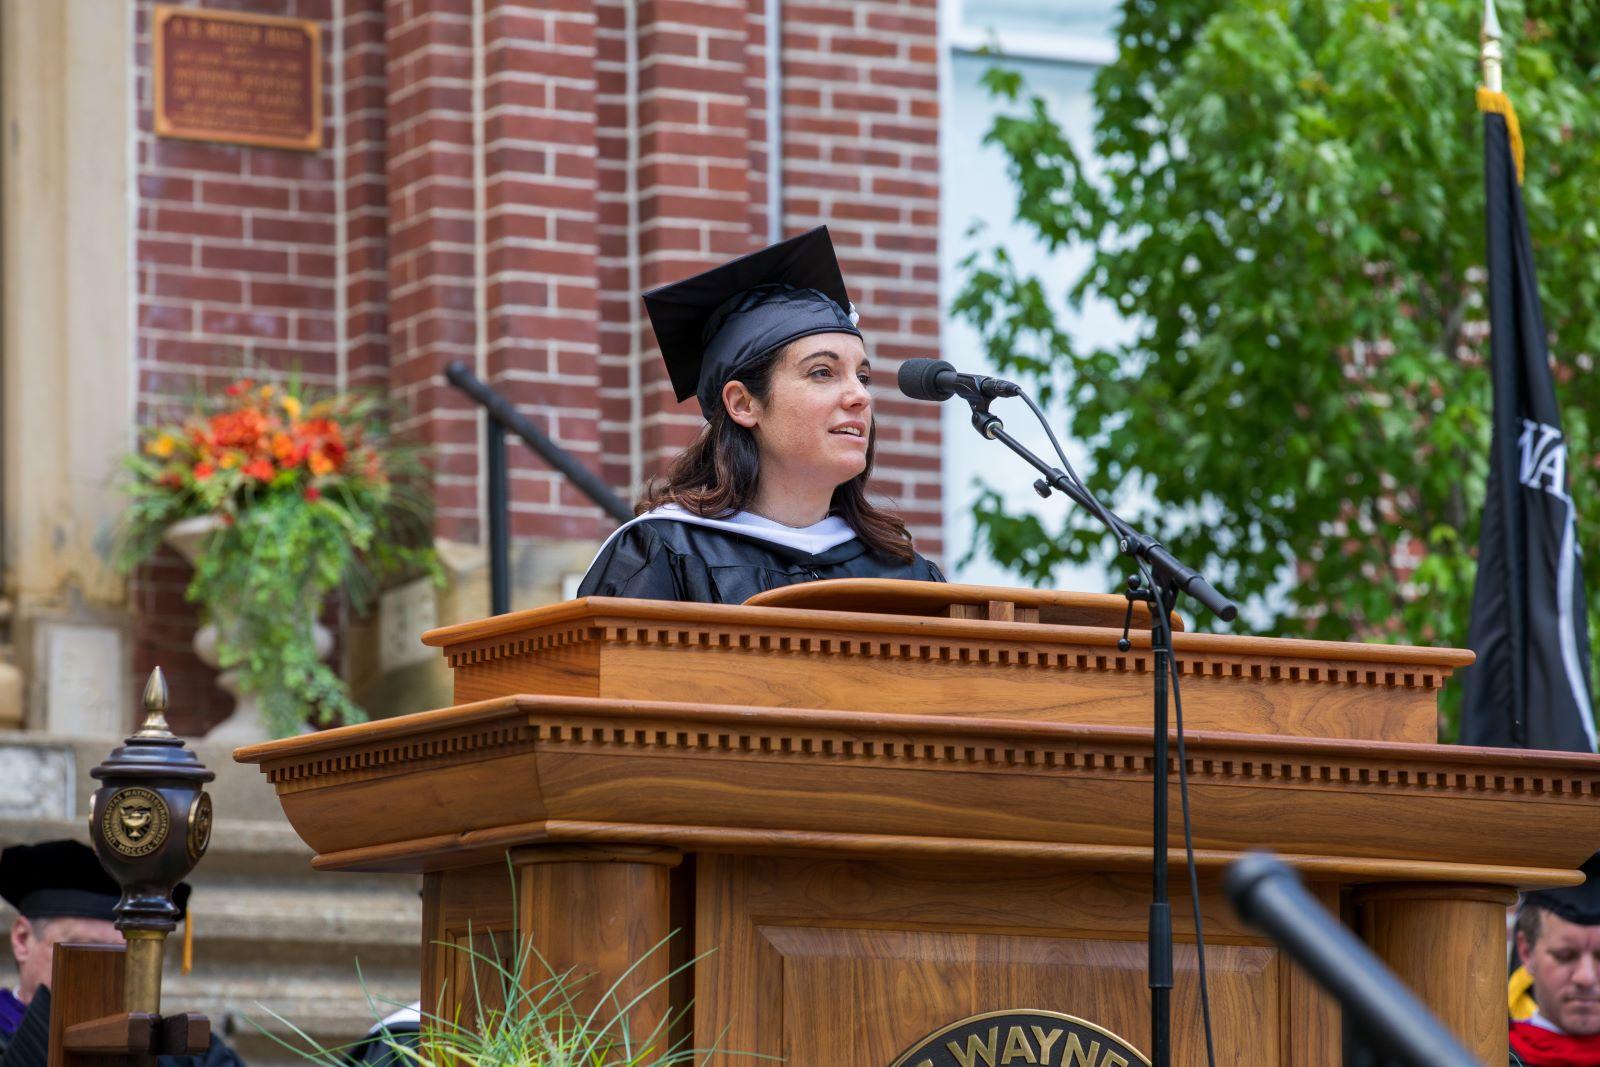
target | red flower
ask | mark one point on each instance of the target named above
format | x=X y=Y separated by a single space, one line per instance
x=313 y=494
x=203 y=470
x=260 y=469
x=321 y=443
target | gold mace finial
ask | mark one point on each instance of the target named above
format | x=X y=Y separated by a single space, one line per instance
x=1489 y=52
x=155 y=706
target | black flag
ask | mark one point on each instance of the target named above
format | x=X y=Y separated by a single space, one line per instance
x=1530 y=685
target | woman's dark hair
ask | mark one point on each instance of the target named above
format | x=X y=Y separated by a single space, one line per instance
x=718 y=474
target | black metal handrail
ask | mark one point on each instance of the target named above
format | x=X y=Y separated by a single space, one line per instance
x=504 y=416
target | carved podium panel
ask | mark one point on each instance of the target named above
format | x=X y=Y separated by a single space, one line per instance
x=869 y=825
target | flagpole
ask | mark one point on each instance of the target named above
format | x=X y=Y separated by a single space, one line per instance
x=1489 y=53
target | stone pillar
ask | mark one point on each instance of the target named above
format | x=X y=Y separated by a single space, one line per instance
x=66 y=397
x=1448 y=943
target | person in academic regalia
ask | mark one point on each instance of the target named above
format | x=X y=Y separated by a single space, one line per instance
x=392 y=1041
x=1558 y=941
x=773 y=491
x=63 y=895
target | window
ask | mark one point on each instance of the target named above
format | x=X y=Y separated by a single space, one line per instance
x=1057 y=45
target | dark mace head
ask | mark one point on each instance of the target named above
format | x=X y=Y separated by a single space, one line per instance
x=150 y=823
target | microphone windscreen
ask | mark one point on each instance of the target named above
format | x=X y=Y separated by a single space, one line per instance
x=919 y=379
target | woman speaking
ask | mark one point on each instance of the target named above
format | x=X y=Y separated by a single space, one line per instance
x=774 y=490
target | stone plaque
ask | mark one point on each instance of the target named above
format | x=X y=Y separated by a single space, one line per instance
x=37 y=782
x=238 y=79
x=404 y=613
x=84 y=677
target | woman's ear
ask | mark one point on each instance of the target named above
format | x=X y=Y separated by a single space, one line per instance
x=741 y=406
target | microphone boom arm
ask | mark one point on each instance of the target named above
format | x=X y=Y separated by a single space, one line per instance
x=1165 y=568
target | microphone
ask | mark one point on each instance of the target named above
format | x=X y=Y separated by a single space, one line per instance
x=934 y=379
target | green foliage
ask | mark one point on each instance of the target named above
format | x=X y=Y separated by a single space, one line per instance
x=528 y=1015
x=1287 y=205
x=311 y=496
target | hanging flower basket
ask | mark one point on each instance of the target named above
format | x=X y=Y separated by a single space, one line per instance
x=278 y=498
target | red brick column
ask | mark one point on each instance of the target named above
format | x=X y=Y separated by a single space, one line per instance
x=540 y=246
x=364 y=85
x=616 y=265
x=431 y=241
x=861 y=137
x=693 y=172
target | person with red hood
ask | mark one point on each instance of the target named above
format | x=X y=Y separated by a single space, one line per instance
x=1558 y=940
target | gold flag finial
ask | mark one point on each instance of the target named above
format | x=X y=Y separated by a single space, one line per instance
x=155 y=706
x=1489 y=52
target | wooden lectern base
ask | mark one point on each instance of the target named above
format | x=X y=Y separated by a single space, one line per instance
x=847 y=962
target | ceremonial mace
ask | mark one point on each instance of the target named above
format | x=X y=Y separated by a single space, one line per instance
x=150 y=823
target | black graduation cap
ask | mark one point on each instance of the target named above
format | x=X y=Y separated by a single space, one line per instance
x=1575 y=903
x=710 y=325
x=64 y=879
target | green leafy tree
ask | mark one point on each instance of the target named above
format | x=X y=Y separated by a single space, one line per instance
x=1287 y=204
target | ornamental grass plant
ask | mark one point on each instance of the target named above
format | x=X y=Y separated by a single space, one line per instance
x=529 y=1016
x=309 y=495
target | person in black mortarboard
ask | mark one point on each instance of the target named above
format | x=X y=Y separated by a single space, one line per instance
x=774 y=490
x=63 y=895
x=1558 y=941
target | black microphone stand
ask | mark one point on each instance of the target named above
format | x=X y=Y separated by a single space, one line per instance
x=1169 y=578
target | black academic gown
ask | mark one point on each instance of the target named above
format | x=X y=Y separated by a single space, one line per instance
x=663 y=559
x=30 y=1045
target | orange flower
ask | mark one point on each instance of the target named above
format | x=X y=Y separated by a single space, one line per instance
x=260 y=469
x=163 y=446
x=203 y=470
x=238 y=429
x=319 y=464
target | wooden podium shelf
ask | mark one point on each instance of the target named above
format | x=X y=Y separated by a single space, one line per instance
x=1037 y=672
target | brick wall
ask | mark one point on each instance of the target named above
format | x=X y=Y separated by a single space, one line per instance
x=499 y=180
x=861 y=137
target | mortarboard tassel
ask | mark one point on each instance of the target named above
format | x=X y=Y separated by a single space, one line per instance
x=188 y=943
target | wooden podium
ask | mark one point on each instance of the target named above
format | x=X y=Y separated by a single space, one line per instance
x=873 y=809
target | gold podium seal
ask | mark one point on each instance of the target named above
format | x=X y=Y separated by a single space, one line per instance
x=1021 y=1035
x=135 y=821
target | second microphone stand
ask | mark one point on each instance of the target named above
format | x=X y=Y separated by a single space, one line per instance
x=1169 y=577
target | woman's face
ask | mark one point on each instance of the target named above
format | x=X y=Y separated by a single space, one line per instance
x=815 y=423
